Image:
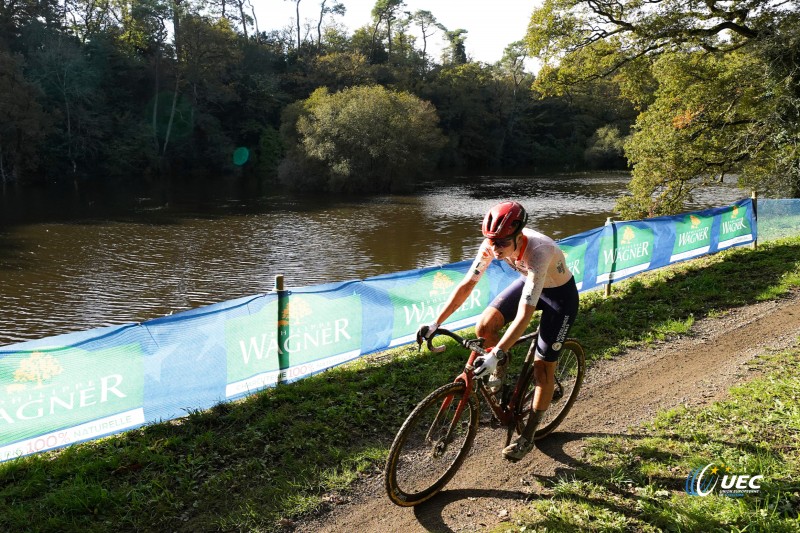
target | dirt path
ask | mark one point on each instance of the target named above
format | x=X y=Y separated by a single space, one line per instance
x=693 y=370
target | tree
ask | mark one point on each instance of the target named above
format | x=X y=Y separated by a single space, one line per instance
x=463 y=95
x=511 y=69
x=456 y=52
x=385 y=12
x=338 y=71
x=335 y=8
x=211 y=52
x=23 y=124
x=711 y=118
x=606 y=149
x=17 y=14
x=691 y=127
x=363 y=138
x=234 y=11
x=297 y=22
x=428 y=27
x=70 y=82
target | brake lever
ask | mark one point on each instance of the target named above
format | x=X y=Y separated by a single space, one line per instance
x=475 y=345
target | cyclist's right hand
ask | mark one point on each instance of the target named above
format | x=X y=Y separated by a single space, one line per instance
x=426 y=332
x=486 y=364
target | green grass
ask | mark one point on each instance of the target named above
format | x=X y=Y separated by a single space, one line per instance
x=637 y=482
x=285 y=452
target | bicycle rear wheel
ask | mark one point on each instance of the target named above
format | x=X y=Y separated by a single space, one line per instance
x=431 y=445
x=569 y=377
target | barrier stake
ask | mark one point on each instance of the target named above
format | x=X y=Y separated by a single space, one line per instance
x=610 y=222
x=754 y=196
x=283 y=327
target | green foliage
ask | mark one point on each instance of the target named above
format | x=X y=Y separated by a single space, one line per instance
x=23 y=123
x=270 y=151
x=606 y=149
x=367 y=138
x=708 y=121
x=156 y=90
x=717 y=83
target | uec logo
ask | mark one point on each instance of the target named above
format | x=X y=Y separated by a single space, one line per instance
x=703 y=481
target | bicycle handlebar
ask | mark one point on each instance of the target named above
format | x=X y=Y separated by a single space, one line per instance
x=475 y=345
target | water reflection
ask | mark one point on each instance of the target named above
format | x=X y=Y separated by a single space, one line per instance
x=69 y=264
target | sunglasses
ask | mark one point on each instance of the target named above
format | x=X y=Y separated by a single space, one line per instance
x=500 y=243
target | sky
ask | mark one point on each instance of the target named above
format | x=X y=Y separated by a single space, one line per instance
x=491 y=24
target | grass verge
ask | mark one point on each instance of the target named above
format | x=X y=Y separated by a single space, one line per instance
x=255 y=464
x=638 y=482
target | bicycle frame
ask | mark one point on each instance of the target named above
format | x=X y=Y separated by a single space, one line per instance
x=506 y=413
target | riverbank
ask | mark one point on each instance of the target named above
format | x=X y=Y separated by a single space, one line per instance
x=265 y=462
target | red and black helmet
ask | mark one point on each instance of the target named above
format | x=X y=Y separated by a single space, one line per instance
x=504 y=220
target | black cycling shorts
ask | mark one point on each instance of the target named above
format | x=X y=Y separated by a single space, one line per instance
x=559 y=306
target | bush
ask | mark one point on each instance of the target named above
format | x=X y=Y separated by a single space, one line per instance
x=366 y=139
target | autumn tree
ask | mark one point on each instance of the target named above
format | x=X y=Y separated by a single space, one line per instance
x=716 y=82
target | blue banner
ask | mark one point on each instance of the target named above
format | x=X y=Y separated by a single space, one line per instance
x=71 y=388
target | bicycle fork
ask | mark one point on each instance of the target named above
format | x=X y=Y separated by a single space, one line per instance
x=468 y=379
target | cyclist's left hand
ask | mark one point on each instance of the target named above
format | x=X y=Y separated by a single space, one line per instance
x=426 y=332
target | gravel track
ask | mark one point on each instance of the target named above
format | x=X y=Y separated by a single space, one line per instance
x=617 y=396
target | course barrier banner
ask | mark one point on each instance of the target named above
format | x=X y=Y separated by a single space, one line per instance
x=80 y=386
x=622 y=249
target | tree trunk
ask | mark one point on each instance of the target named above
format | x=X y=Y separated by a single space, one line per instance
x=156 y=142
x=244 y=19
x=69 y=128
x=319 y=26
x=255 y=19
x=171 y=115
x=297 y=14
x=176 y=24
x=2 y=171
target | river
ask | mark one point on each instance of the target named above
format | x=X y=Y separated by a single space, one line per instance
x=71 y=262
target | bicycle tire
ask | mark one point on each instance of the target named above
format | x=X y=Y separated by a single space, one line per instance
x=420 y=464
x=569 y=377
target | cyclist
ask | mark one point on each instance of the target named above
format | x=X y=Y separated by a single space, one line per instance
x=545 y=284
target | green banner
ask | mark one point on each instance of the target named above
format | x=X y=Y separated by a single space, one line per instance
x=692 y=237
x=421 y=301
x=311 y=328
x=624 y=251
x=734 y=227
x=576 y=261
x=70 y=394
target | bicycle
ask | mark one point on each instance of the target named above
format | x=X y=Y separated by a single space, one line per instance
x=434 y=440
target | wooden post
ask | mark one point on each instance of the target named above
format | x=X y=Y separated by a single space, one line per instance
x=609 y=222
x=754 y=196
x=282 y=327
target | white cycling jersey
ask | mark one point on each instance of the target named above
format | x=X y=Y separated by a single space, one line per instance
x=538 y=258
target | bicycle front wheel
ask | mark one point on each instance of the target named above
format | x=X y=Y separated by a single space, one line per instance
x=431 y=445
x=568 y=379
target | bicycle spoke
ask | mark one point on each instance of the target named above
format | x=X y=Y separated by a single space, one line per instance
x=568 y=379
x=433 y=445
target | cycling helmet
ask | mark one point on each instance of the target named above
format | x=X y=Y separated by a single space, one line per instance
x=504 y=220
